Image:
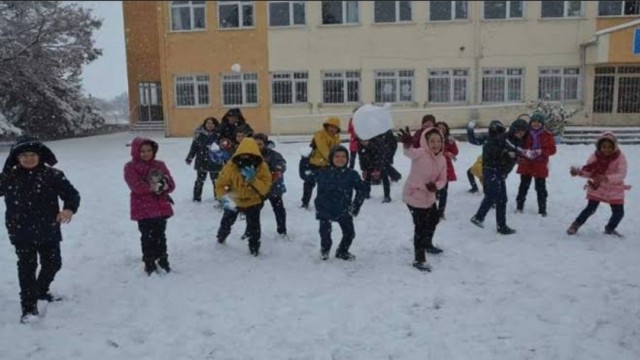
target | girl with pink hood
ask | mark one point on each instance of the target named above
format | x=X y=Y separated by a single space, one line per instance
x=605 y=171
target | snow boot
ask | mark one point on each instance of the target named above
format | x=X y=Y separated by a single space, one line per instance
x=505 y=230
x=29 y=309
x=386 y=200
x=324 y=255
x=49 y=297
x=150 y=267
x=163 y=262
x=477 y=222
x=610 y=231
x=433 y=249
x=345 y=255
x=573 y=229
x=422 y=266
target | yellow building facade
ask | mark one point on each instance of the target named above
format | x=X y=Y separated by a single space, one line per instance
x=289 y=64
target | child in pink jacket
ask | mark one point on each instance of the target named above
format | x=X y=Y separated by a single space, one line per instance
x=150 y=183
x=428 y=174
x=605 y=171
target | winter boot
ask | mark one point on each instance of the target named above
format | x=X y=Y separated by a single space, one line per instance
x=386 y=199
x=29 y=309
x=345 y=255
x=433 y=249
x=505 y=230
x=610 y=231
x=542 y=208
x=163 y=262
x=324 y=255
x=573 y=229
x=477 y=222
x=473 y=190
x=150 y=267
x=422 y=266
x=49 y=297
x=254 y=248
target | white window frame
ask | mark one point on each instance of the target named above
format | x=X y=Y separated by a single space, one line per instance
x=239 y=4
x=452 y=77
x=398 y=77
x=243 y=78
x=290 y=77
x=397 y=13
x=506 y=74
x=291 y=14
x=191 y=7
x=564 y=12
x=193 y=80
x=507 y=11
x=345 y=16
x=453 y=13
x=545 y=72
x=621 y=10
x=345 y=84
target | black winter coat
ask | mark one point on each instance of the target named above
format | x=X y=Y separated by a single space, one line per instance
x=379 y=152
x=31 y=199
x=276 y=163
x=226 y=130
x=200 y=149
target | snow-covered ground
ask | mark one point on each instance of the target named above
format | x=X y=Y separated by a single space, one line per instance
x=538 y=294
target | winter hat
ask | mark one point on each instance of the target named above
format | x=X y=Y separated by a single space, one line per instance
x=26 y=143
x=496 y=127
x=538 y=116
x=519 y=124
x=332 y=121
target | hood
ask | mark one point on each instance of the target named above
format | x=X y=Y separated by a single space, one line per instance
x=336 y=149
x=137 y=143
x=28 y=143
x=607 y=135
x=232 y=112
x=333 y=121
x=247 y=153
x=423 y=139
x=518 y=124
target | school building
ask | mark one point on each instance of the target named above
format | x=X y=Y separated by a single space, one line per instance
x=289 y=64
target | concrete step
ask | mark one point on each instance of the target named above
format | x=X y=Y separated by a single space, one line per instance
x=148 y=126
x=589 y=135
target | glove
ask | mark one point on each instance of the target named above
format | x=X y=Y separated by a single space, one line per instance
x=248 y=173
x=574 y=171
x=276 y=175
x=431 y=186
x=354 y=210
x=214 y=147
x=531 y=154
x=188 y=161
x=404 y=136
x=227 y=203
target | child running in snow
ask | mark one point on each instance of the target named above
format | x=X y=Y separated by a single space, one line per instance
x=428 y=174
x=606 y=170
x=150 y=183
x=31 y=188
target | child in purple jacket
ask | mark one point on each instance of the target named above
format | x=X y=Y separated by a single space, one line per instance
x=150 y=183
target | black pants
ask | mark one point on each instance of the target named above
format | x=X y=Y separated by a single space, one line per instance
x=153 y=238
x=281 y=214
x=252 y=217
x=307 y=188
x=541 y=191
x=472 y=179
x=348 y=234
x=442 y=196
x=394 y=174
x=31 y=286
x=424 y=226
x=202 y=176
x=352 y=159
x=384 y=177
x=617 y=213
x=495 y=192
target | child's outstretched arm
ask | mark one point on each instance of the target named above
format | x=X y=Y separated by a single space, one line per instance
x=471 y=135
x=69 y=195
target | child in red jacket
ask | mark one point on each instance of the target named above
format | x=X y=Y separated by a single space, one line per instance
x=150 y=183
x=534 y=164
x=450 y=151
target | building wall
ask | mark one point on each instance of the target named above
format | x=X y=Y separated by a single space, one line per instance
x=213 y=52
x=142 y=48
x=422 y=45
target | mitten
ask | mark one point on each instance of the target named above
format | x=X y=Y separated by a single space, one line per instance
x=248 y=173
x=431 y=186
x=188 y=161
x=404 y=136
x=227 y=203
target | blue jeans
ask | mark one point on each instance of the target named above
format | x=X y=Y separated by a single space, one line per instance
x=495 y=191
x=617 y=213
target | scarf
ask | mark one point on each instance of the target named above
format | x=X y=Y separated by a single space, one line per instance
x=535 y=138
x=600 y=166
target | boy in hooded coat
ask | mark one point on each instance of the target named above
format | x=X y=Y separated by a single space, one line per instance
x=335 y=201
x=150 y=201
x=277 y=165
x=31 y=188
x=242 y=187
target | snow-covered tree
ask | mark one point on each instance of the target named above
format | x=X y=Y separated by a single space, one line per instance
x=557 y=115
x=43 y=47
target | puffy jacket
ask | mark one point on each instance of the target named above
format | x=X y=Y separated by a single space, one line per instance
x=201 y=150
x=146 y=204
x=231 y=181
x=538 y=167
x=277 y=165
x=426 y=167
x=323 y=142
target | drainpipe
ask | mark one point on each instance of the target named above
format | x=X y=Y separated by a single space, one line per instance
x=477 y=55
x=583 y=65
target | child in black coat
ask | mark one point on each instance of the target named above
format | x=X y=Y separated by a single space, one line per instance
x=31 y=188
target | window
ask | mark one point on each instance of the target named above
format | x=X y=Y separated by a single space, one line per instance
x=393 y=86
x=289 y=87
x=235 y=14
x=192 y=90
x=503 y=9
x=447 y=10
x=391 y=11
x=560 y=9
x=617 y=90
x=618 y=8
x=340 y=87
x=240 y=89
x=559 y=84
x=287 y=13
x=150 y=102
x=340 y=12
x=502 y=85
x=448 y=85
x=187 y=15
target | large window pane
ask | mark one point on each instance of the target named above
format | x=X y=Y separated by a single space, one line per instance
x=495 y=9
x=629 y=95
x=405 y=10
x=352 y=12
x=331 y=12
x=229 y=16
x=552 y=9
x=608 y=8
x=384 y=11
x=461 y=10
x=299 y=17
x=279 y=14
x=247 y=15
x=440 y=10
